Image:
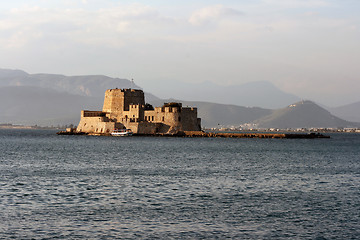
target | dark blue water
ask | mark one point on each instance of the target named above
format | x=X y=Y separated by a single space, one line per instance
x=73 y=187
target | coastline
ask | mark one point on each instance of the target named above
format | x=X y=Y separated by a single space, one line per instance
x=11 y=126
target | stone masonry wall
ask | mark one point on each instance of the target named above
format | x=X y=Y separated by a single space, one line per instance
x=189 y=120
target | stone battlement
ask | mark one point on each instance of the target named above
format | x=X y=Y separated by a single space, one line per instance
x=86 y=113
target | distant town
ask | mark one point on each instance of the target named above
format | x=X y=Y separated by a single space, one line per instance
x=253 y=129
x=217 y=129
x=19 y=126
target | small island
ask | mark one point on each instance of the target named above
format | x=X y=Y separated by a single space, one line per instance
x=126 y=109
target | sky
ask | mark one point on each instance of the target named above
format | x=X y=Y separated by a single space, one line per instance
x=309 y=48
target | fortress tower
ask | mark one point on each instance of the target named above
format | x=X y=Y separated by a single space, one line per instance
x=124 y=104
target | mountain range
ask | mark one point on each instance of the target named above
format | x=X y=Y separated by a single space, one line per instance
x=51 y=99
x=252 y=94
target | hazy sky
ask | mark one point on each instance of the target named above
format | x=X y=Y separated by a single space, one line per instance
x=310 y=48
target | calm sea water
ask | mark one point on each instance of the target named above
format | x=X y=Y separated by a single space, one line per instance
x=87 y=187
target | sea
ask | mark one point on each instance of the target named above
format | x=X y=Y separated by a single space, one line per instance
x=96 y=187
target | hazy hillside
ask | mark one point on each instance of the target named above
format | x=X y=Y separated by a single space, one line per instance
x=90 y=85
x=82 y=85
x=303 y=114
x=350 y=112
x=33 y=105
x=254 y=94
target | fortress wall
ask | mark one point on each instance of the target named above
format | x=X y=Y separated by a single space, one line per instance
x=165 y=115
x=134 y=126
x=89 y=124
x=154 y=115
x=135 y=113
x=113 y=101
x=189 y=120
x=105 y=127
x=168 y=117
x=86 y=113
x=143 y=127
x=133 y=96
x=172 y=119
x=97 y=125
x=149 y=128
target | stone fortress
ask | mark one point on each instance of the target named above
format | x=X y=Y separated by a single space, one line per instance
x=126 y=108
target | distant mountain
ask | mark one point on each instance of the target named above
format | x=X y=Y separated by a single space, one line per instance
x=304 y=114
x=350 y=112
x=90 y=85
x=253 y=94
x=29 y=105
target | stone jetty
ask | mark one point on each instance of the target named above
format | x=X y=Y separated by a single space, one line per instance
x=253 y=135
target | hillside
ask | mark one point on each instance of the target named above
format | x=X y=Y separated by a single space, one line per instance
x=253 y=94
x=87 y=85
x=303 y=114
x=29 y=105
x=350 y=112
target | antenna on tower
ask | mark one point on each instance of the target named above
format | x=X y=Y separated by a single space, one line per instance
x=132 y=83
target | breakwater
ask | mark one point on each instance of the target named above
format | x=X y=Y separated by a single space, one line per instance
x=253 y=135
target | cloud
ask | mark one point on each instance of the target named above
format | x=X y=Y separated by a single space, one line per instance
x=296 y=3
x=212 y=13
x=103 y=26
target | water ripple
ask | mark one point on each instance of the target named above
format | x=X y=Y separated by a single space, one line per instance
x=174 y=188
